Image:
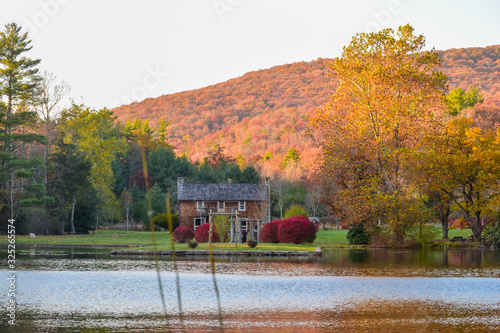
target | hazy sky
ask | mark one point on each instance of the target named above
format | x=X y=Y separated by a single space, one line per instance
x=115 y=51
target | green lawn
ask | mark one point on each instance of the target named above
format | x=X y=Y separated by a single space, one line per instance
x=457 y=232
x=331 y=238
x=324 y=238
x=144 y=239
x=103 y=237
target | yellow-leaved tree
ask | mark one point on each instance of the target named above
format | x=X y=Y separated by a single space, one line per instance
x=388 y=90
x=462 y=162
x=98 y=137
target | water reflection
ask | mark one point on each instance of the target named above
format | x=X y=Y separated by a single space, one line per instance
x=86 y=289
x=335 y=262
x=412 y=262
x=364 y=317
x=358 y=255
x=130 y=302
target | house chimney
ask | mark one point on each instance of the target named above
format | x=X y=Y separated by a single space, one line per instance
x=180 y=185
x=229 y=181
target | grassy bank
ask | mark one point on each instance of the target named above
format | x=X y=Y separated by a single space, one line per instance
x=325 y=238
x=144 y=239
x=103 y=237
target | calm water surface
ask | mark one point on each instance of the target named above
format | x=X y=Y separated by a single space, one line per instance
x=71 y=289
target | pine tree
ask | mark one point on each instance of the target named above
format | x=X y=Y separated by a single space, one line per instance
x=19 y=81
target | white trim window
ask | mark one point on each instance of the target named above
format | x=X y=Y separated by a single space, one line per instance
x=199 y=205
x=242 y=205
x=197 y=222
x=243 y=224
x=221 y=205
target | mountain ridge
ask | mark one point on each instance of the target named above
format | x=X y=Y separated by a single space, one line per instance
x=258 y=117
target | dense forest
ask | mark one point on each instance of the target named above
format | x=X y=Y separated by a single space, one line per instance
x=261 y=115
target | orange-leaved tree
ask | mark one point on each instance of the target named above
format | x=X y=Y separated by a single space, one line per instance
x=388 y=92
x=430 y=172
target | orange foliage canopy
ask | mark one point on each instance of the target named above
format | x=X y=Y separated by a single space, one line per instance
x=262 y=114
x=388 y=93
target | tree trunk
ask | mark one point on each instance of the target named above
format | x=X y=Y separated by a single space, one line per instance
x=11 y=185
x=9 y=150
x=444 y=211
x=126 y=211
x=62 y=220
x=46 y=152
x=475 y=225
x=96 y=222
x=444 y=221
x=444 y=224
x=73 y=217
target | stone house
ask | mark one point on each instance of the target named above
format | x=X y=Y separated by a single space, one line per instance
x=247 y=205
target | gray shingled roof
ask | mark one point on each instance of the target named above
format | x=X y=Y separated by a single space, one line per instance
x=221 y=192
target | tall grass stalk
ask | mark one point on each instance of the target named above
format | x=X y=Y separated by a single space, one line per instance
x=142 y=145
x=216 y=288
x=174 y=259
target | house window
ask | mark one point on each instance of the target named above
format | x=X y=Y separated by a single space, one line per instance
x=199 y=205
x=241 y=206
x=221 y=205
x=197 y=222
x=243 y=224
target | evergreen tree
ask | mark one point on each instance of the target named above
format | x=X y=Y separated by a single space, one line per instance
x=158 y=204
x=70 y=171
x=458 y=100
x=250 y=176
x=19 y=81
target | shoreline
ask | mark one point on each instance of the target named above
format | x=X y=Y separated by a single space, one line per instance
x=445 y=246
x=205 y=253
x=76 y=245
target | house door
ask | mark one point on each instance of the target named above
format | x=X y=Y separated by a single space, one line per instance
x=243 y=230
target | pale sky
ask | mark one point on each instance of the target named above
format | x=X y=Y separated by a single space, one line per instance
x=112 y=52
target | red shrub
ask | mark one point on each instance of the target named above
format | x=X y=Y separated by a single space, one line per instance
x=201 y=233
x=297 y=229
x=183 y=234
x=269 y=233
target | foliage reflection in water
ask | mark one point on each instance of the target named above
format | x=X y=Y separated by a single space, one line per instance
x=346 y=290
x=335 y=262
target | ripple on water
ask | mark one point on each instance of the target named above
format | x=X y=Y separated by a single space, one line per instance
x=345 y=291
x=253 y=268
x=134 y=292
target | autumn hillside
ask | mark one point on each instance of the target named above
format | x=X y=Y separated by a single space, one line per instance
x=259 y=116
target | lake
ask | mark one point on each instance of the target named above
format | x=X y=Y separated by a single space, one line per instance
x=75 y=289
